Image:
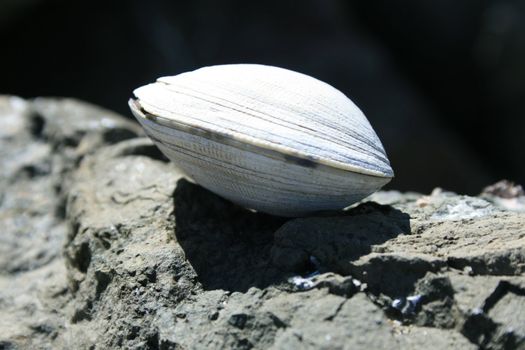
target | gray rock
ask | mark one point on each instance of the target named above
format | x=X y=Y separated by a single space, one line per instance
x=106 y=245
x=40 y=144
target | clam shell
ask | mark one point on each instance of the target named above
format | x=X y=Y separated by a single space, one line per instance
x=267 y=138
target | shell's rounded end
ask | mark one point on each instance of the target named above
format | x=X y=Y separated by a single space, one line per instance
x=388 y=172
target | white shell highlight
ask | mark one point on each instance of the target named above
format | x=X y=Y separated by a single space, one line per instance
x=264 y=137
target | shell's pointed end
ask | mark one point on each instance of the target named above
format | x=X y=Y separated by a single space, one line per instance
x=138 y=111
x=133 y=104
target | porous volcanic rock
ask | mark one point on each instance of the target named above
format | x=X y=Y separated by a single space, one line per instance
x=106 y=245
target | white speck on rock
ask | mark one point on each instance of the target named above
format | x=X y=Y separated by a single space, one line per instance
x=397 y=303
x=407 y=305
x=301 y=282
x=477 y=311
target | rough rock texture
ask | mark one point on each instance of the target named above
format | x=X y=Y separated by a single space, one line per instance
x=106 y=245
x=41 y=143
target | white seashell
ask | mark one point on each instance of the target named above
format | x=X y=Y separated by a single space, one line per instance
x=267 y=138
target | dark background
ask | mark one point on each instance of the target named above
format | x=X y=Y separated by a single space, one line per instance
x=442 y=82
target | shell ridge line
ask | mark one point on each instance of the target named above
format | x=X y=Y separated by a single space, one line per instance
x=371 y=169
x=256 y=143
x=171 y=122
x=273 y=119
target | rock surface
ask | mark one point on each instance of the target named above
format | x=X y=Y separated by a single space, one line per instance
x=106 y=245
